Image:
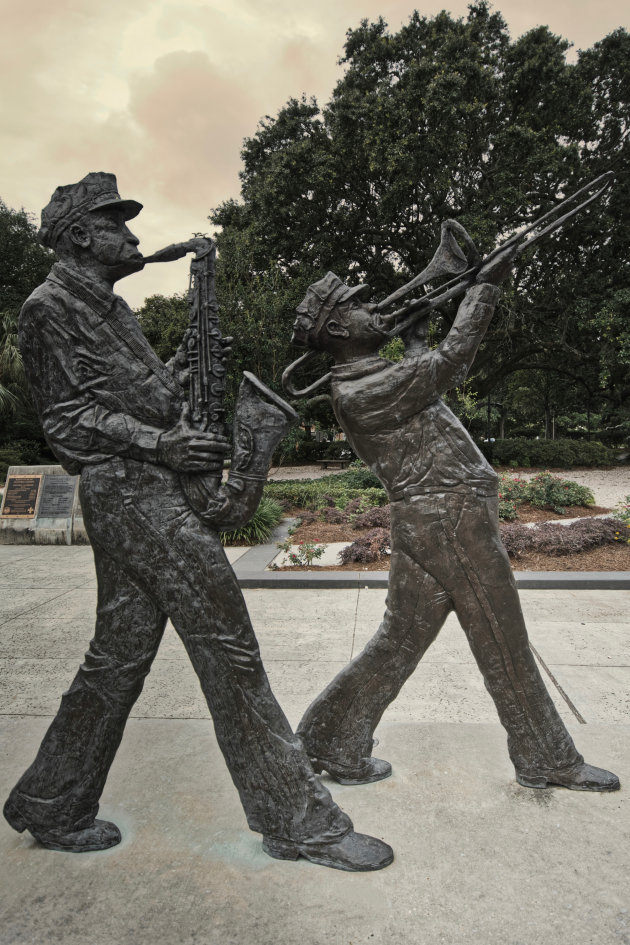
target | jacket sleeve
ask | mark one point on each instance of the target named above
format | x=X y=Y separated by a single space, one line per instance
x=454 y=356
x=384 y=400
x=66 y=376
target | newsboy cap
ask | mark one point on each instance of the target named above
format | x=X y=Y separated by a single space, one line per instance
x=322 y=297
x=97 y=191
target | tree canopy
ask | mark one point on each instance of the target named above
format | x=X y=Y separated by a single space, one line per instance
x=446 y=118
x=24 y=263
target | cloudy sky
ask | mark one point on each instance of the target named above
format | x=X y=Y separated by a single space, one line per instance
x=162 y=92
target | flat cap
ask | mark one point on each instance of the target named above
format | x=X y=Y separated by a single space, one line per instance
x=97 y=191
x=322 y=297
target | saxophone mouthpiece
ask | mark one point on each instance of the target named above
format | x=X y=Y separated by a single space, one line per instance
x=168 y=254
x=200 y=245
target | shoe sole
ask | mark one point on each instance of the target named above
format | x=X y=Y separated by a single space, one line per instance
x=540 y=783
x=15 y=819
x=86 y=848
x=320 y=766
x=285 y=850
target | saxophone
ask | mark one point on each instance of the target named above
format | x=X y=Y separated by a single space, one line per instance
x=261 y=417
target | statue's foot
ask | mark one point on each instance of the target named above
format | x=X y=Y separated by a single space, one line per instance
x=100 y=835
x=354 y=852
x=581 y=777
x=367 y=771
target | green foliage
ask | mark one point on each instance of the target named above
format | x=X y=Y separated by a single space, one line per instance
x=20 y=453
x=358 y=476
x=260 y=526
x=543 y=491
x=507 y=509
x=164 y=321
x=450 y=118
x=305 y=551
x=338 y=449
x=338 y=491
x=561 y=454
x=394 y=350
x=622 y=510
x=24 y=264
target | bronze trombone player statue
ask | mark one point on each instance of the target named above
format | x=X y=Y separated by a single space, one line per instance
x=446 y=553
x=150 y=456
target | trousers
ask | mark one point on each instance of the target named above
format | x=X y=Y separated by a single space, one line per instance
x=154 y=559
x=446 y=555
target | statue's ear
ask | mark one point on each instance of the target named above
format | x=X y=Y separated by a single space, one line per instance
x=336 y=329
x=79 y=235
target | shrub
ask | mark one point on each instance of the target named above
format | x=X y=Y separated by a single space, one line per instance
x=259 y=528
x=334 y=516
x=545 y=491
x=20 y=453
x=305 y=552
x=369 y=547
x=562 y=453
x=560 y=539
x=334 y=490
x=507 y=510
x=338 y=449
x=308 y=451
x=377 y=517
x=622 y=510
x=592 y=453
x=297 y=493
x=359 y=477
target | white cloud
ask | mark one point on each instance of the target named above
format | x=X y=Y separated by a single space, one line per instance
x=162 y=92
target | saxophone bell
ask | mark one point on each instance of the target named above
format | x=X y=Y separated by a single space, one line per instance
x=261 y=420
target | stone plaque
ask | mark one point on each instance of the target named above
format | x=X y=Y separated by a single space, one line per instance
x=57 y=497
x=20 y=496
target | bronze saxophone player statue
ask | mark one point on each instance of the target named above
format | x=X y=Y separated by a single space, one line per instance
x=150 y=456
x=446 y=553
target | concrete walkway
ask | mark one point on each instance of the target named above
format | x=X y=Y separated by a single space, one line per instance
x=479 y=860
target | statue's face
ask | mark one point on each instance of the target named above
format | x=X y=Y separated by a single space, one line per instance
x=303 y=324
x=353 y=329
x=111 y=242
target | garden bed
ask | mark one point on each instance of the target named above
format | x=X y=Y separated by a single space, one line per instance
x=611 y=557
x=353 y=509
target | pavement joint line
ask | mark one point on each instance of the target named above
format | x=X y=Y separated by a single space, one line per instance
x=564 y=695
x=41 y=603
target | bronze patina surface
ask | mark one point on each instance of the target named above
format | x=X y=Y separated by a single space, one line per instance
x=446 y=553
x=148 y=442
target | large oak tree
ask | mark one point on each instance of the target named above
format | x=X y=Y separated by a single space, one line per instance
x=446 y=118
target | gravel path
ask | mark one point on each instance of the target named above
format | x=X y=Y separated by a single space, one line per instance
x=609 y=486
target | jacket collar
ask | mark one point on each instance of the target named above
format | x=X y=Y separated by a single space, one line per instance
x=101 y=300
x=359 y=368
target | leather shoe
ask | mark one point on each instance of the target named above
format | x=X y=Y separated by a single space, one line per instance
x=367 y=771
x=581 y=777
x=100 y=835
x=354 y=852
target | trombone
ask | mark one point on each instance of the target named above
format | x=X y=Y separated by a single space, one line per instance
x=463 y=266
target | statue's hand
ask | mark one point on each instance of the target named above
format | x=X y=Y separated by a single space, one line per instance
x=498 y=268
x=185 y=449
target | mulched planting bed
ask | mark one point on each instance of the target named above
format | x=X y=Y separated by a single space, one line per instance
x=609 y=557
x=324 y=532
